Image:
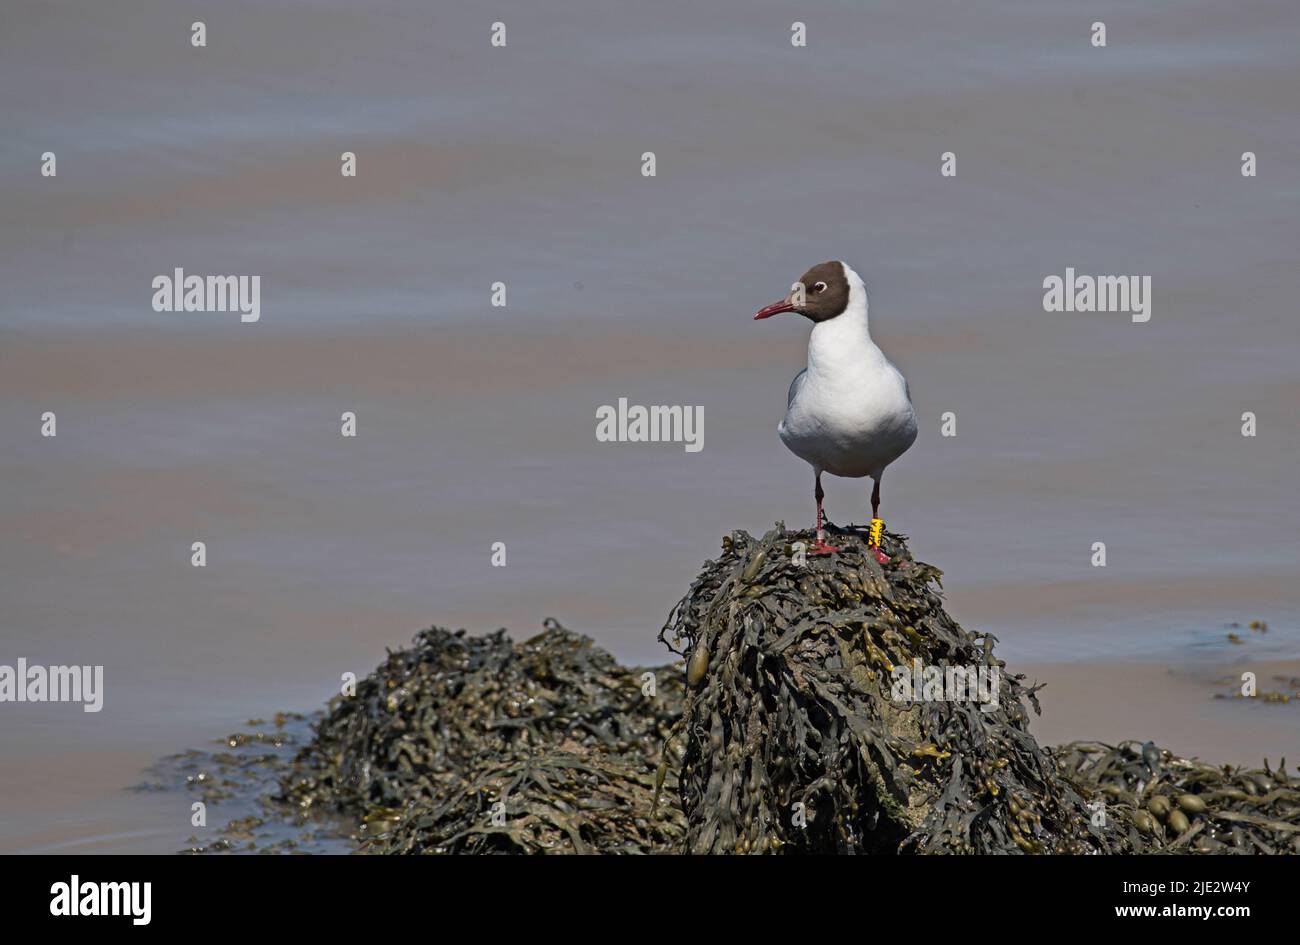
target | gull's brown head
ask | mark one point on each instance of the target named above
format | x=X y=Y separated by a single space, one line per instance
x=820 y=294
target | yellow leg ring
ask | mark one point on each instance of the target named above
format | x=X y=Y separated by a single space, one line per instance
x=877 y=529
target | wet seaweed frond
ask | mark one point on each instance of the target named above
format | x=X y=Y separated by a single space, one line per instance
x=568 y=799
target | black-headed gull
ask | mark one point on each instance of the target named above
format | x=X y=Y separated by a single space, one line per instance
x=849 y=413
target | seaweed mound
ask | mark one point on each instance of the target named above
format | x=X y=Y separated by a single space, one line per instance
x=835 y=707
x=827 y=705
x=446 y=729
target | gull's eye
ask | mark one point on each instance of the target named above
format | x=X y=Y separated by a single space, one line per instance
x=820 y=287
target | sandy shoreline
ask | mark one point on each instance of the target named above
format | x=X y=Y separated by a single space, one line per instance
x=1172 y=706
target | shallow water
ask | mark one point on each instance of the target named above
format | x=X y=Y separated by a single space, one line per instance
x=476 y=424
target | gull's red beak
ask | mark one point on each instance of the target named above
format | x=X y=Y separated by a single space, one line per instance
x=776 y=308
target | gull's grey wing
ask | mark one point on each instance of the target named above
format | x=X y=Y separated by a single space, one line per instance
x=794 y=387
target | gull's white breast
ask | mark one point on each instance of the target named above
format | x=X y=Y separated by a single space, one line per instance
x=850 y=431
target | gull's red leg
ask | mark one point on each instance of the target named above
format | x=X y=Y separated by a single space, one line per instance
x=819 y=547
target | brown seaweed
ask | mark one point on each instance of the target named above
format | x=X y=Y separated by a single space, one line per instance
x=1166 y=804
x=442 y=730
x=566 y=799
